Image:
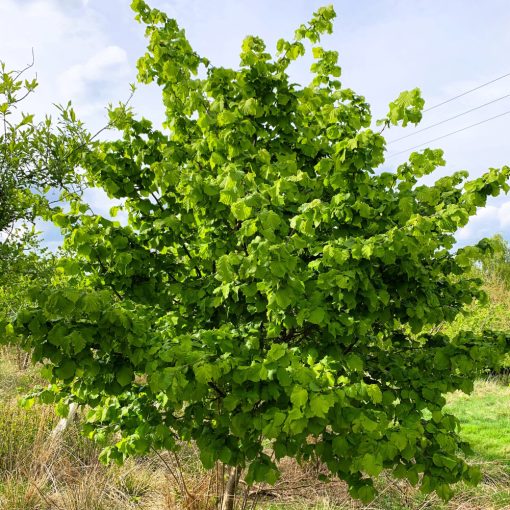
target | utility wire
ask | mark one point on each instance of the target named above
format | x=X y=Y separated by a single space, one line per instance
x=447 y=120
x=448 y=134
x=467 y=92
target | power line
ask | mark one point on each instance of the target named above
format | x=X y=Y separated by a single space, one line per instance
x=467 y=92
x=447 y=120
x=448 y=134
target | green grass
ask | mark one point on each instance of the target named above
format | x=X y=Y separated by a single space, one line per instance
x=485 y=419
x=14 y=380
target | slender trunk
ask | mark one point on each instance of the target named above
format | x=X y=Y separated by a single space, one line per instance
x=229 y=493
x=64 y=422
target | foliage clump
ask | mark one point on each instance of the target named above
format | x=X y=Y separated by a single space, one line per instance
x=270 y=287
x=36 y=157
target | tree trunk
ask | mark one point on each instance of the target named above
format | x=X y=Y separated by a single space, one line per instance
x=229 y=495
x=64 y=422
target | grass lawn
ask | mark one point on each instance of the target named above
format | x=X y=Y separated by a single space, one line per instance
x=485 y=419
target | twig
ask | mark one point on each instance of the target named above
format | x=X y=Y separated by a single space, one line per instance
x=218 y=390
x=43 y=496
x=182 y=476
x=191 y=259
x=170 y=470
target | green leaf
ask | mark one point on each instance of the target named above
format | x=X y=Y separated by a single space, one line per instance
x=340 y=445
x=276 y=352
x=224 y=270
x=284 y=297
x=355 y=363
x=124 y=375
x=240 y=210
x=441 y=360
x=60 y=220
x=317 y=52
x=226 y=117
x=269 y=220
x=366 y=494
x=77 y=341
x=66 y=369
x=204 y=373
x=371 y=464
x=299 y=396
x=250 y=106
x=375 y=394
x=207 y=458
x=444 y=491
x=399 y=439
x=320 y=404
x=317 y=316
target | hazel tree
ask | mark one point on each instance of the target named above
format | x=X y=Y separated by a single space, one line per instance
x=271 y=291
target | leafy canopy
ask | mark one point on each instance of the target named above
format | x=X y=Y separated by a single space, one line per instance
x=269 y=287
x=35 y=158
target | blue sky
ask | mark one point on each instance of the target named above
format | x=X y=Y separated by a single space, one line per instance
x=86 y=52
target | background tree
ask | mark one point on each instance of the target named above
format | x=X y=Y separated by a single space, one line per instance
x=495 y=265
x=271 y=294
x=493 y=269
x=37 y=160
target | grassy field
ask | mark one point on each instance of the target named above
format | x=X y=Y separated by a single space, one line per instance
x=485 y=419
x=37 y=473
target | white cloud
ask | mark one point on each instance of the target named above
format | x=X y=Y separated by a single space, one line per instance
x=504 y=216
x=488 y=221
x=77 y=56
x=104 y=69
x=100 y=204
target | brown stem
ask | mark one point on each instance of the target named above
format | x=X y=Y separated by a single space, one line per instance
x=191 y=259
x=181 y=475
x=170 y=470
x=229 y=493
x=218 y=390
